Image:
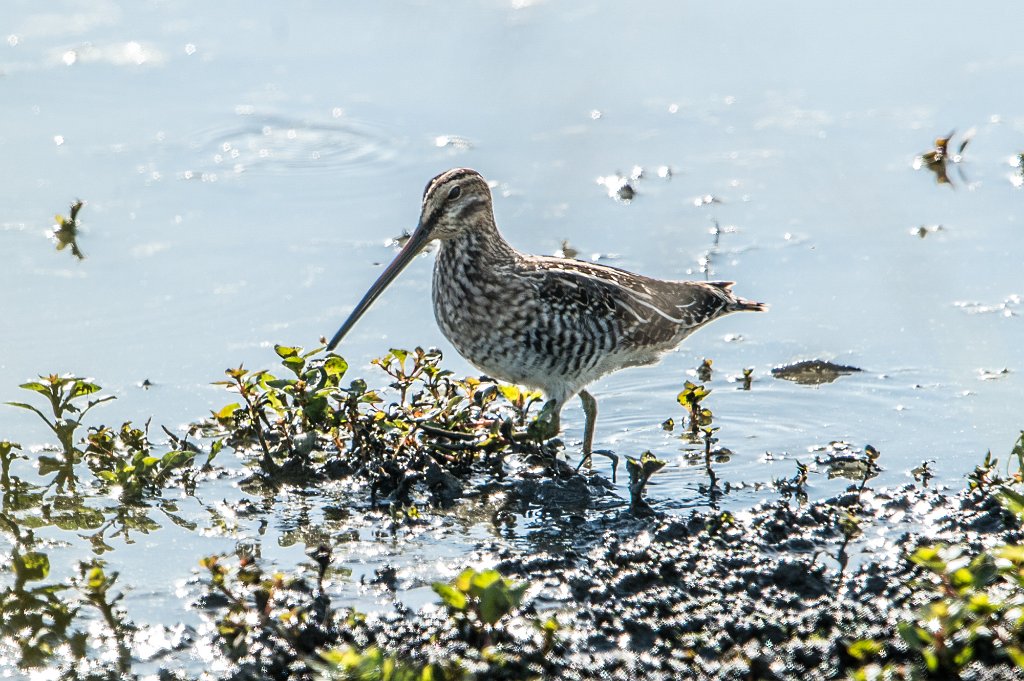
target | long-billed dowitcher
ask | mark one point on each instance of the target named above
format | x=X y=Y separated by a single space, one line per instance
x=552 y=324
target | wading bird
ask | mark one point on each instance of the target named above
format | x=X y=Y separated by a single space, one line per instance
x=548 y=323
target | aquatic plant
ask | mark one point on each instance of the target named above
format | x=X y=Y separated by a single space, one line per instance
x=640 y=472
x=477 y=600
x=65 y=230
x=704 y=370
x=311 y=425
x=975 y=611
x=691 y=398
x=64 y=395
x=940 y=158
x=748 y=378
x=123 y=459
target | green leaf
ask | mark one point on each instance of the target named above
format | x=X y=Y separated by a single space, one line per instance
x=450 y=596
x=928 y=557
x=317 y=409
x=284 y=351
x=176 y=458
x=962 y=578
x=1018 y=451
x=335 y=366
x=499 y=599
x=911 y=634
x=215 y=448
x=82 y=388
x=464 y=580
x=96 y=579
x=1013 y=501
x=864 y=649
x=295 y=364
x=1017 y=655
x=36 y=386
x=483 y=580
x=32 y=566
x=1014 y=553
x=651 y=464
x=510 y=392
x=22 y=405
x=228 y=412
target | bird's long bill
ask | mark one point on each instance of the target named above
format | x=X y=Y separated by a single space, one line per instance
x=412 y=247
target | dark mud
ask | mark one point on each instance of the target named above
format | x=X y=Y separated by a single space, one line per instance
x=782 y=591
x=771 y=594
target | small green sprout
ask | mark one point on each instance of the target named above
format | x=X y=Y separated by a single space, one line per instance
x=748 y=378
x=691 y=398
x=482 y=598
x=640 y=472
x=704 y=370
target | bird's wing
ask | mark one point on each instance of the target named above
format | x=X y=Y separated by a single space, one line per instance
x=636 y=310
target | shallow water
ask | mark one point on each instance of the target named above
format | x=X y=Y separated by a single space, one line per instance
x=244 y=168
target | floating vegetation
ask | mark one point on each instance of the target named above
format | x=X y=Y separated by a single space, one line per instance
x=813 y=371
x=620 y=187
x=842 y=460
x=925 y=230
x=65 y=230
x=940 y=158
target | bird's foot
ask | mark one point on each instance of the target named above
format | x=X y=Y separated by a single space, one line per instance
x=588 y=460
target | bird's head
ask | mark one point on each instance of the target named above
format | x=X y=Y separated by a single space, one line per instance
x=453 y=202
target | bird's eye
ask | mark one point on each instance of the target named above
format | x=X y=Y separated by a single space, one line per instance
x=455 y=193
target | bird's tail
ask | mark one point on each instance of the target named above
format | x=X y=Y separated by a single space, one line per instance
x=737 y=304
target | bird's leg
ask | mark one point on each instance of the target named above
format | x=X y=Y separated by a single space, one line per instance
x=590 y=411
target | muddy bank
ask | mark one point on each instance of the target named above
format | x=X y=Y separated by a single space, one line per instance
x=832 y=589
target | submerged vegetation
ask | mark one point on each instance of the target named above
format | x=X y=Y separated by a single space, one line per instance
x=785 y=590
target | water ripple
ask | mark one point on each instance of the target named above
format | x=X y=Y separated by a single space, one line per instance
x=277 y=144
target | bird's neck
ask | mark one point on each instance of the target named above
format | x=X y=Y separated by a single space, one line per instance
x=479 y=247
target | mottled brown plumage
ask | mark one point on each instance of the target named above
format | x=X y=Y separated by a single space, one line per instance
x=549 y=323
